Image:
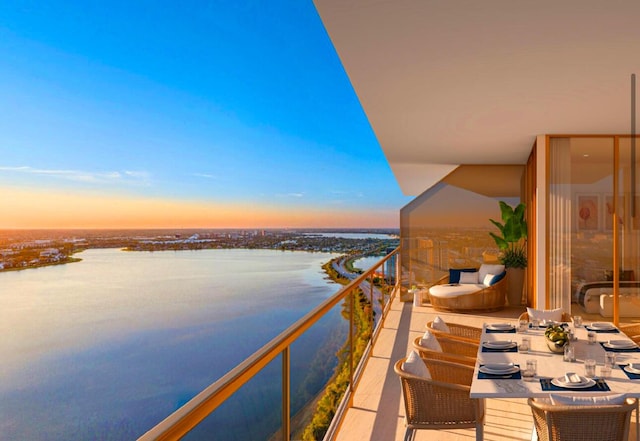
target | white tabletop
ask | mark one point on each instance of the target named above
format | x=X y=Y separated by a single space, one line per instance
x=551 y=365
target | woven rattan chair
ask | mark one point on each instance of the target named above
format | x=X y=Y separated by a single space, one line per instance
x=458 y=331
x=446 y=356
x=582 y=423
x=458 y=347
x=565 y=317
x=441 y=402
x=632 y=331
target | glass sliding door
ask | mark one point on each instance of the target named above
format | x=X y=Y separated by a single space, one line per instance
x=593 y=246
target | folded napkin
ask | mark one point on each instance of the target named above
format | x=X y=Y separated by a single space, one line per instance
x=571 y=377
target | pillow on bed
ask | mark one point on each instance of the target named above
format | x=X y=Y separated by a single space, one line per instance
x=454 y=274
x=489 y=269
x=466 y=277
x=415 y=366
x=545 y=314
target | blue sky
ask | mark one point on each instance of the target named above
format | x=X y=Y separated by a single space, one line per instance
x=196 y=110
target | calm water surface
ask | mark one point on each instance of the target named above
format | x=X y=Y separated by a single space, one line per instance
x=106 y=348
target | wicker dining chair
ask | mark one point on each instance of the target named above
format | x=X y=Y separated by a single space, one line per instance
x=582 y=423
x=457 y=331
x=441 y=402
x=458 y=347
x=565 y=317
x=632 y=331
x=441 y=355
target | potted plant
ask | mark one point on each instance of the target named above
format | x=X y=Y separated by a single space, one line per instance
x=512 y=243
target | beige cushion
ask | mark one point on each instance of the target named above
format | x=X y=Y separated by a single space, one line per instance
x=415 y=366
x=581 y=400
x=466 y=277
x=546 y=314
x=429 y=341
x=440 y=325
x=486 y=269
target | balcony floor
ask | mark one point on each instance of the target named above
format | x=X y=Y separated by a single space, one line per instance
x=378 y=411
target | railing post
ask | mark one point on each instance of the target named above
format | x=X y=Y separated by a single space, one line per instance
x=286 y=395
x=351 y=348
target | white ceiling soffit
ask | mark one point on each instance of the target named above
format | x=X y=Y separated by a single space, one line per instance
x=473 y=82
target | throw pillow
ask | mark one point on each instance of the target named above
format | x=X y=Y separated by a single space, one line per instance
x=602 y=400
x=454 y=273
x=498 y=277
x=488 y=279
x=429 y=341
x=415 y=366
x=486 y=269
x=440 y=325
x=469 y=277
x=545 y=314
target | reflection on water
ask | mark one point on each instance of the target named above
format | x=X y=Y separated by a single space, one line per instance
x=106 y=348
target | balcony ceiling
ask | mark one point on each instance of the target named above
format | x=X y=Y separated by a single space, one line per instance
x=453 y=82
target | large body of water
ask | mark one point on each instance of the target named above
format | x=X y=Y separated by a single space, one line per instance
x=106 y=348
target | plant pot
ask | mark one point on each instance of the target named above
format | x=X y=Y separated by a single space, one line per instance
x=556 y=348
x=515 y=284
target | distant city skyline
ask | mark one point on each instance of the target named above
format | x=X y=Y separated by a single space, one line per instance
x=123 y=115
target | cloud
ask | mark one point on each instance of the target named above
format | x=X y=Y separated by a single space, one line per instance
x=291 y=195
x=113 y=177
x=204 y=175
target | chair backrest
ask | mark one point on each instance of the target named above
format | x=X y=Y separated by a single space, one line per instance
x=458 y=347
x=442 y=401
x=582 y=423
x=438 y=355
x=458 y=331
x=566 y=317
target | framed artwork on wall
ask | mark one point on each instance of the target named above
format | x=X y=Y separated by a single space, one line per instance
x=587 y=212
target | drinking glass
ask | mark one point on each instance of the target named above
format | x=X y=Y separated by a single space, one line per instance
x=569 y=352
x=590 y=367
x=525 y=344
x=530 y=370
x=577 y=321
x=535 y=323
x=523 y=325
x=610 y=359
x=592 y=337
x=605 y=372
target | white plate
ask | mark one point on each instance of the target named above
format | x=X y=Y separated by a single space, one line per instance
x=587 y=382
x=500 y=326
x=604 y=326
x=499 y=344
x=505 y=371
x=620 y=344
x=631 y=370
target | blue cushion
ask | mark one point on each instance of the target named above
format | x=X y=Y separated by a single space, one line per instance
x=498 y=277
x=454 y=274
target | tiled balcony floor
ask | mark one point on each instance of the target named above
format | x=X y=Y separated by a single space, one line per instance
x=378 y=411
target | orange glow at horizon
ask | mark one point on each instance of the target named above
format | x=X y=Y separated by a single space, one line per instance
x=39 y=209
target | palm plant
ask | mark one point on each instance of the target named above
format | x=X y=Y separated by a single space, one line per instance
x=513 y=239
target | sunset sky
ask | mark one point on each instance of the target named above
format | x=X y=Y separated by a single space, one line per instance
x=199 y=114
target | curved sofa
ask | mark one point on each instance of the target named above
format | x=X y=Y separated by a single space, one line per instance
x=468 y=297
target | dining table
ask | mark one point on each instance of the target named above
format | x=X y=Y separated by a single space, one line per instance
x=501 y=346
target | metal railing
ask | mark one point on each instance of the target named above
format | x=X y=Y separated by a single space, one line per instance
x=179 y=423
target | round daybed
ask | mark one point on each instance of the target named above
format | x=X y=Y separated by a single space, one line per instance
x=470 y=294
